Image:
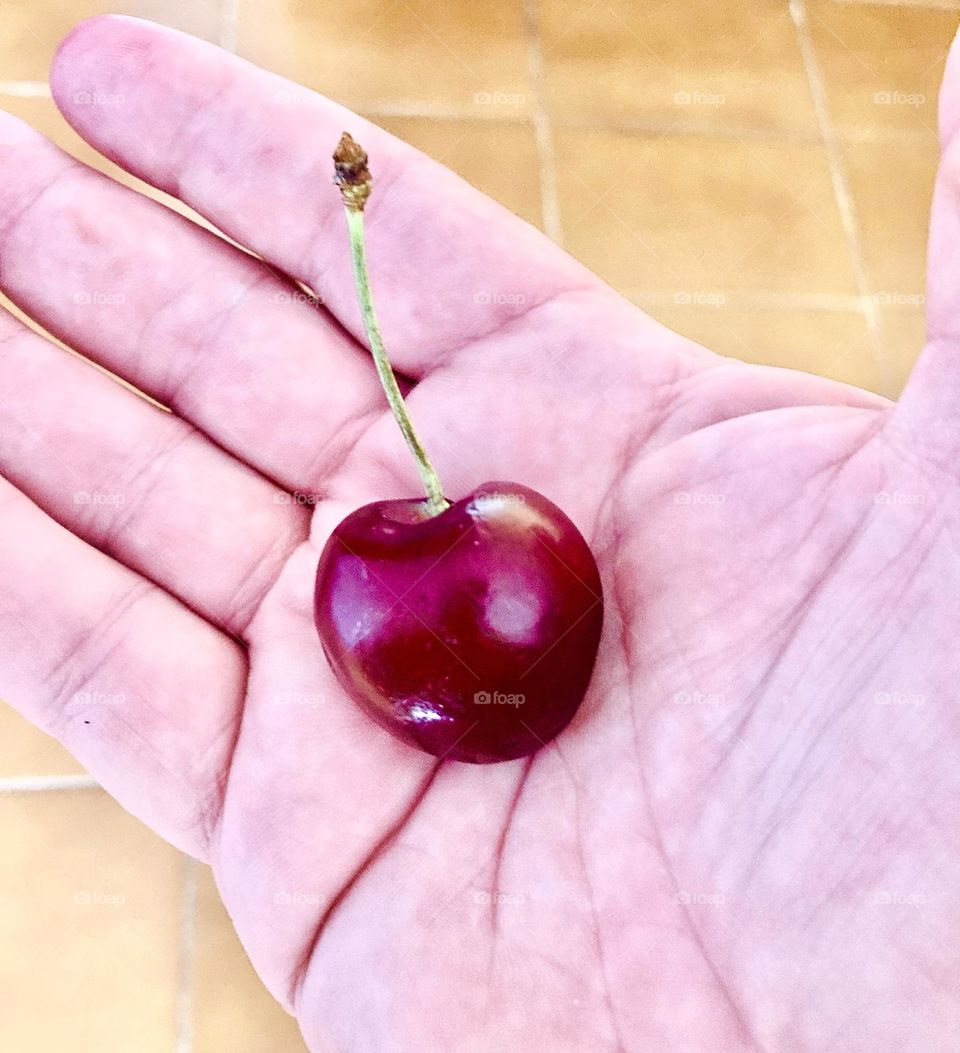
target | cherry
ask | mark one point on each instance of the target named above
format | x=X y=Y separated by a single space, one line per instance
x=468 y=630
x=470 y=634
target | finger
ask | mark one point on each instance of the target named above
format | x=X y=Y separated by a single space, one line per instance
x=143 y=692
x=139 y=483
x=251 y=152
x=180 y=313
x=926 y=415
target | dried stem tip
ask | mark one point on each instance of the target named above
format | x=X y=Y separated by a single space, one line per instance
x=351 y=173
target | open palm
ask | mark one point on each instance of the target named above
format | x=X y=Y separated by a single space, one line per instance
x=746 y=839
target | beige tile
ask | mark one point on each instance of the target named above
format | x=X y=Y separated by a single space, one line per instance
x=232 y=1009
x=726 y=64
x=26 y=751
x=30 y=32
x=477 y=151
x=372 y=53
x=829 y=343
x=88 y=923
x=882 y=63
x=697 y=214
x=903 y=336
x=892 y=185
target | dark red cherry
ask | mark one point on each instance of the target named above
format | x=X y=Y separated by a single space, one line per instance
x=470 y=634
x=468 y=630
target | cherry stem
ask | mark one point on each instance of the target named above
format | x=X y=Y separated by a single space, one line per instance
x=353 y=178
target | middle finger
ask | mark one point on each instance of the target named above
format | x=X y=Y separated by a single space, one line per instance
x=192 y=320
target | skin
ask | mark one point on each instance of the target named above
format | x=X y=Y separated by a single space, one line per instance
x=747 y=838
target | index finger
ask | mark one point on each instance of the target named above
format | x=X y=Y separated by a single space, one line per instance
x=251 y=152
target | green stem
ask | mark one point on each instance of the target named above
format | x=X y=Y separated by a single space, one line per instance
x=436 y=502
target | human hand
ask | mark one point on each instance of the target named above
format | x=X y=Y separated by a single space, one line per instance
x=768 y=748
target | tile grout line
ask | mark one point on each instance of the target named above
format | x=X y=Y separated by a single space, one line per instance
x=229 y=20
x=834 y=303
x=542 y=128
x=417 y=110
x=47 y=783
x=25 y=89
x=663 y=127
x=930 y=5
x=187 y=956
x=841 y=188
x=438 y=111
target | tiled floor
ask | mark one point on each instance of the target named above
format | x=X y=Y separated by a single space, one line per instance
x=772 y=163
x=406 y=54
x=726 y=65
x=89 y=902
